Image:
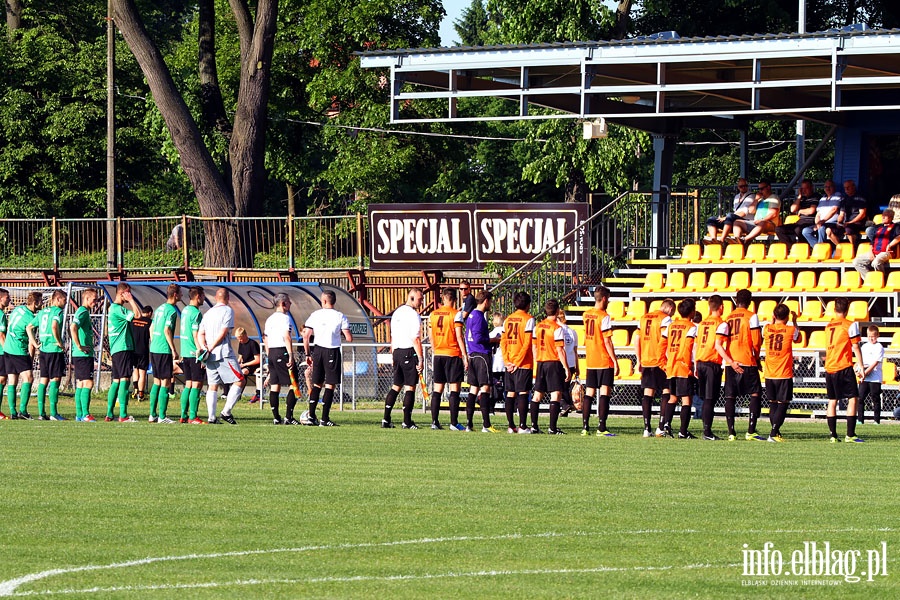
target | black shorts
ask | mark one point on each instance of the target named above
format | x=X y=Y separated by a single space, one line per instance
x=682 y=386
x=163 y=365
x=193 y=371
x=405 y=362
x=326 y=367
x=84 y=367
x=479 y=370
x=550 y=377
x=519 y=381
x=447 y=369
x=599 y=377
x=3 y=365
x=122 y=365
x=16 y=364
x=747 y=383
x=841 y=385
x=780 y=390
x=709 y=380
x=654 y=378
x=140 y=361
x=278 y=369
x=53 y=364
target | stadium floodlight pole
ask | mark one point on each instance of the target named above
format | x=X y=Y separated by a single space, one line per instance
x=110 y=139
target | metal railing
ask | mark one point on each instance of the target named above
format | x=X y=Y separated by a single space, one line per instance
x=160 y=244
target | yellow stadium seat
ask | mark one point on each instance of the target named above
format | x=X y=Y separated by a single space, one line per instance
x=674 y=282
x=727 y=307
x=799 y=252
x=764 y=314
x=806 y=282
x=636 y=310
x=762 y=280
x=793 y=305
x=616 y=309
x=874 y=282
x=816 y=340
x=654 y=305
x=878 y=220
x=712 y=253
x=784 y=280
x=696 y=281
x=734 y=253
x=864 y=248
x=626 y=370
x=702 y=308
x=777 y=253
x=812 y=311
x=893 y=282
x=820 y=252
x=858 y=311
x=690 y=254
x=653 y=282
x=791 y=219
x=828 y=282
x=718 y=281
x=843 y=252
x=620 y=338
x=850 y=281
x=579 y=331
x=755 y=253
x=829 y=311
x=739 y=281
x=888 y=372
x=895 y=341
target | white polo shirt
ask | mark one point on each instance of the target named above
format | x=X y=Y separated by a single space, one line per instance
x=327 y=325
x=872 y=353
x=406 y=327
x=276 y=326
x=219 y=317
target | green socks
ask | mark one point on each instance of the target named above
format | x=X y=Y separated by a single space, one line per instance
x=53 y=393
x=162 y=401
x=154 y=392
x=194 y=402
x=11 y=399
x=111 y=398
x=42 y=393
x=123 y=399
x=185 y=400
x=24 y=396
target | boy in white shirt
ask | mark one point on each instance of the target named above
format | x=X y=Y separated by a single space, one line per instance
x=873 y=356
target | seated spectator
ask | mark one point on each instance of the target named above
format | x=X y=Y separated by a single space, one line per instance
x=804 y=207
x=884 y=244
x=744 y=208
x=768 y=215
x=894 y=205
x=852 y=216
x=825 y=227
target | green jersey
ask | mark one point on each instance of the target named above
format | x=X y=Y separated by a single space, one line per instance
x=17 y=335
x=82 y=320
x=163 y=318
x=190 y=324
x=46 y=318
x=3 y=322
x=119 y=321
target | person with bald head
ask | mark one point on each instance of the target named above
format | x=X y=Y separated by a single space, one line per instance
x=221 y=364
x=408 y=355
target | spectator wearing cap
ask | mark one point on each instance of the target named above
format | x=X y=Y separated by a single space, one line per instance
x=884 y=244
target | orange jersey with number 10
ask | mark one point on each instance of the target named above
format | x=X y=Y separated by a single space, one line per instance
x=444 y=322
x=778 y=340
x=650 y=337
x=597 y=328
x=516 y=340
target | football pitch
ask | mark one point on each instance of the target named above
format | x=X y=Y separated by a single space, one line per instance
x=144 y=511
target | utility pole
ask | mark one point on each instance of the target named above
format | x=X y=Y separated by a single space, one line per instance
x=801 y=124
x=110 y=139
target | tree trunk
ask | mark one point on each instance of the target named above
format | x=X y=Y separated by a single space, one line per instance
x=13 y=16
x=622 y=11
x=210 y=92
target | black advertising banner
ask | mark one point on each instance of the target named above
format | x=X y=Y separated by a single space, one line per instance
x=469 y=236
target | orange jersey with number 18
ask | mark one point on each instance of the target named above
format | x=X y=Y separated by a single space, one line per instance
x=778 y=341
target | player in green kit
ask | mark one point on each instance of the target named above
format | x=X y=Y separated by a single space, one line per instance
x=193 y=371
x=52 y=360
x=121 y=345
x=82 y=333
x=163 y=353
x=4 y=302
x=18 y=351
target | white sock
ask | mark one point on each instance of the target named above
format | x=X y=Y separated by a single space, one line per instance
x=212 y=397
x=234 y=395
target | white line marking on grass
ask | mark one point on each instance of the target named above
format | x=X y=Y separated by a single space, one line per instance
x=358 y=578
x=10 y=586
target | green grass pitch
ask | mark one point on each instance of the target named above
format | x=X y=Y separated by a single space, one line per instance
x=146 y=511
